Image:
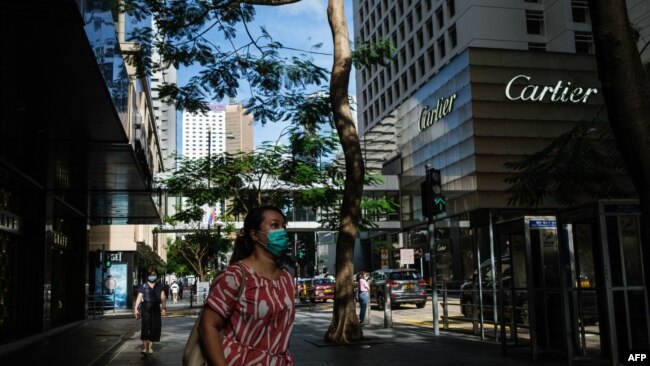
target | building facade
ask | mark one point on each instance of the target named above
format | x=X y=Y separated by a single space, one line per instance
x=70 y=159
x=474 y=86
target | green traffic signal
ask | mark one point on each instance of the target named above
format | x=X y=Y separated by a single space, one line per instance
x=107 y=263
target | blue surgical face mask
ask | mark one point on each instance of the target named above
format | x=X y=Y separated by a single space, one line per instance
x=278 y=241
x=152 y=278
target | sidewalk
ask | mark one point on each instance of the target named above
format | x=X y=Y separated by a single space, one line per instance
x=115 y=340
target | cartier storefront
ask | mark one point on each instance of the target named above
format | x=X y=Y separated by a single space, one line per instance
x=486 y=108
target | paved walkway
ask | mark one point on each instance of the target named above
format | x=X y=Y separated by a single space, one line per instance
x=114 y=340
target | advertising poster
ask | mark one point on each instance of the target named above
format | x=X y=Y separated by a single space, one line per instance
x=113 y=283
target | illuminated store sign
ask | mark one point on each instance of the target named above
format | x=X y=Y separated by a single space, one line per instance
x=561 y=92
x=9 y=222
x=60 y=240
x=443 y=107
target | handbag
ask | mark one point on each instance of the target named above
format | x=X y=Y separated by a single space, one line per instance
x=193 y=354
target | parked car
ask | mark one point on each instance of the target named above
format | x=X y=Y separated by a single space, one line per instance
x=517 y=304
x=406 y=284
x=316 y=289
x=469 y=293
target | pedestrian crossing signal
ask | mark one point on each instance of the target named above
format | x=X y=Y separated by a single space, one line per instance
x=439 y=205
x=107 y=263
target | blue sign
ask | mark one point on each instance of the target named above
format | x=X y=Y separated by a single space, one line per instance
x=542 y=224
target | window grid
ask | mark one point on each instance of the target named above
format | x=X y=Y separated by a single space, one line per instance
x=535 y=22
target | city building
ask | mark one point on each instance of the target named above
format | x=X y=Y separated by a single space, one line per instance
x=477 y=84
x=225 y=128
x=77 y=151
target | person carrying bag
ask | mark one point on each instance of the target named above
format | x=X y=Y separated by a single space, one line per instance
x=193 y=354
x=249 y=313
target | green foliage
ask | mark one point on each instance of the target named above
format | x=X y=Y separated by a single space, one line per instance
x=368 y=54
x=197 y=252
x=584 y=159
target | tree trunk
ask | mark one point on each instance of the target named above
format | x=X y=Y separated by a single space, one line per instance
x=626 y=90
x=345 y=325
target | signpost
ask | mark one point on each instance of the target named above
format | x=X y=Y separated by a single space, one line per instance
x=407 y=256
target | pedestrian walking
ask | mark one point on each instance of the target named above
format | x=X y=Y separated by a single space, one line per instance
x=150 y=305
x=364 y=298
x=252 y=326
x=174 y=289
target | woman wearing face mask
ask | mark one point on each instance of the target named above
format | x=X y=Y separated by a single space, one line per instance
x=150 y=305
x=254 y=327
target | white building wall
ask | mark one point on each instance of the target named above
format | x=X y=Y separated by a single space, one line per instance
x=204 y=133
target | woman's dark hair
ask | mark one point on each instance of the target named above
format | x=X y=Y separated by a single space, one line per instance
x=152 y=269
x=244 y=244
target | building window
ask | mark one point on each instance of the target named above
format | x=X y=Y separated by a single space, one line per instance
x=535 y=22
x=532 y=1
x=431 y=57
x=429 y=5
x=441 y=47
x=409 y=22
x=535 y=46
x=580 y=11
x=453 y=38
x=422 y=66
x=429 y=27
x=420 y=39
x=412 y=75
x=584 y=42
x=440 y=18
x=451 y=8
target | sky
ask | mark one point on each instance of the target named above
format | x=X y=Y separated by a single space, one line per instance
x=300 y=25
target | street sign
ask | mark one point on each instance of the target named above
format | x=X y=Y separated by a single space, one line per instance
x=384 y=253
x=407 y=256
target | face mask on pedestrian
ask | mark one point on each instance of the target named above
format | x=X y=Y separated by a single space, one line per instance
x=152 y=278
x=278 y=241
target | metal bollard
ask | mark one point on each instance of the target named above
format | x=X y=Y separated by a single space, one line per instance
x=388 y=314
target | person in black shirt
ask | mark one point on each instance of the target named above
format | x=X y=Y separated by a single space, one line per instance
x=151 y=304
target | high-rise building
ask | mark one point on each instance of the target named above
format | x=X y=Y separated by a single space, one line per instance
x=165 y=116
x=239 y=129
x=224 y=128
x=477 y=84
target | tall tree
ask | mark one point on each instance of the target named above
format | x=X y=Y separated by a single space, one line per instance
x=280 y=87
x=626 y=89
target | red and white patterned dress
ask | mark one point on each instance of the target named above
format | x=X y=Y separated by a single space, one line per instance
x=259 y=323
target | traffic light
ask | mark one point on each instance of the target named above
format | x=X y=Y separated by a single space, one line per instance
x=106 y=260
x=433 y=202
x=302 y=251
x=435 y=181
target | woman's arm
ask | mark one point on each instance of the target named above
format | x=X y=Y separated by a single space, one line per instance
x=163 y=302
x=138 y=300
x=210 y=331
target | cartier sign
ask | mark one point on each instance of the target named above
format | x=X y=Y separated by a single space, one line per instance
x=561 y=92
x=429 y=117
